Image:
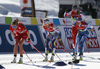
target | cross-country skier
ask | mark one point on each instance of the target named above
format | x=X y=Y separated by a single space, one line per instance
x=81 y=36
x=51 y=33
x=75 y=13
x=20 y=33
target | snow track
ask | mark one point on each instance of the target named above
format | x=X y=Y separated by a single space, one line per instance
x=87 y=63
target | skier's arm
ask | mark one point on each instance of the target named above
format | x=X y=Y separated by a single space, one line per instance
x=82 y=14
x=13 y=34
x=44 y=34
x=67 y=14
x=28 y=34
x=55 y=30
x=91 y=26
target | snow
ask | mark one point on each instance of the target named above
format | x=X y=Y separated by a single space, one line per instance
x=13 y=9
x=90 y=61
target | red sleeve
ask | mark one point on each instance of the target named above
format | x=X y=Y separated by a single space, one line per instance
x=65 y=15
x=23 y=27
x=11 y=28
x=51 y=24
x=44 y=27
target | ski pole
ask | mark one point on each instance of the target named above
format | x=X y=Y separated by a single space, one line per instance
x=65 y=36
x=28 y=56
x=75 y=61
x=57 y=56
x=97 y=34
x=56 y=53
x=67 y=51
x=37 y=50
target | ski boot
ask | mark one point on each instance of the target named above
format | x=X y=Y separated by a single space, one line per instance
x=81 y=57
x=74 y=57
x=73 y=54
x=46 y=59
x=14 y=60
x=52 y=58
x=20 y=60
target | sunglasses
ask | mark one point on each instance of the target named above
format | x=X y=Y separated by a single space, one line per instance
x=14 y=26
x=74 y=7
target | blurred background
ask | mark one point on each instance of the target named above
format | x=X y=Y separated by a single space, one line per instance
x=91 y=8
x=53 y=8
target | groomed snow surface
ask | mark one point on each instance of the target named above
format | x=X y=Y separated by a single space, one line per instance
x=90 y=61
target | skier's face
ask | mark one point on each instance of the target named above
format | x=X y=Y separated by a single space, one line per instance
x=75 y=10
x=14 y=26
x=47 y=25
x=78 y=22
x=45 y=22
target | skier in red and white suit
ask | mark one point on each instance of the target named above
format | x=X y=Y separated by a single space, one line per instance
x=75 y=13
x=20 y=33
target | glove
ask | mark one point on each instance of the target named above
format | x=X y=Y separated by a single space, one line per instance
x=29 y=40
x=45 y=40
x=98 y=28
x=60 y=42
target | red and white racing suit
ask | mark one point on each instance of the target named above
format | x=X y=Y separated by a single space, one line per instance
x=20 y=32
